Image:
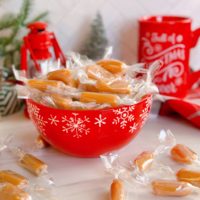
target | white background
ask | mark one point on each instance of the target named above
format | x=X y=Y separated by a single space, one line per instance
x=70 y=20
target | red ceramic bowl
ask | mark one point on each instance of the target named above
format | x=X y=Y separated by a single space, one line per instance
x=89 y=133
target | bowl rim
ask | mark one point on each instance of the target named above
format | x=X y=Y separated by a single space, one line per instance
x=98 y=110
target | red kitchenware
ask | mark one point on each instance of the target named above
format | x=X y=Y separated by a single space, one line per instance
x=169 y=38
x=89 y=133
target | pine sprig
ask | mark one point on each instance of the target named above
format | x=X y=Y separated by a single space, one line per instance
x=25 y=11
x=10 y=45
x=22 y=16
x=41 y=16
x=3 y=40
x=7 y=21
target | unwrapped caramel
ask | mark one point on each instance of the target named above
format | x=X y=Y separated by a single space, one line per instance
x=8 y=176
x=11 y=192
x=171 y=188
x=183 y=154
x=33 y=164
x=144 y=161
x=190 y=176
x=117 y=190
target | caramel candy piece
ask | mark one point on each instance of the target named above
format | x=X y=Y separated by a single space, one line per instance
x=40 y=142
x=171 y=188
x=98 y=73
x=183 y=154
x=117 y=190
x=88 y=87
x=33 y=164
x=42 y=85
x=144 y=161
x=116 y=86
x=11 y=192
x=192 y=177
x=8 y=176
x=113 y=66
x=99 y=98
x=63 y=75
x=61 y=102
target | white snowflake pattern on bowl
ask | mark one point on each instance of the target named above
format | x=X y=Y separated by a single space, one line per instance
x=76 y=125
x=123 y=116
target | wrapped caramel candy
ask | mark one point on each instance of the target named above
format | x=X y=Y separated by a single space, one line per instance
x=113 y=66
x=183 y=154
x=64 y=91
x=108 y=82
x=67 y=103
x=42 y=85
x=8 y=176
x=171 y=188
x=33 y=164
x=99 y=98
x=98 y=73
x=116 y=86
x=61 y=102
x=40 y=142
x=144 y=161
x=190 y=176
x=63 y=75
x=88 y=86
x=117 y=190
x=11 y=192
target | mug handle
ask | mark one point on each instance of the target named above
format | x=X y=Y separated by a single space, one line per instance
x=194 y=76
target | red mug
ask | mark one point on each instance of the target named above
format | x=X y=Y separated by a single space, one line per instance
x=169 y=39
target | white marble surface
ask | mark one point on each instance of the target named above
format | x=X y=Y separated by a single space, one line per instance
x=78 y=178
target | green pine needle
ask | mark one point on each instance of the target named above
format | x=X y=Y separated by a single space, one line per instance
x=3 y=40
x=24 y=13
x=10 y=45
x=25 y=10
x=41 y=16
x=7 y=21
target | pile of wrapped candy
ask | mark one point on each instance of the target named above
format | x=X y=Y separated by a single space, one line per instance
x=14 y=186
x=91 y=85
x=146 y=171
x=181 y=179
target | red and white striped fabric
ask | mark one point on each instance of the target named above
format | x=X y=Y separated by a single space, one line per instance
x=188 y=108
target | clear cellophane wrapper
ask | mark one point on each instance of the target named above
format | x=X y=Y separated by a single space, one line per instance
x=146 y=177
x=83 y=79
x=39 y=187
